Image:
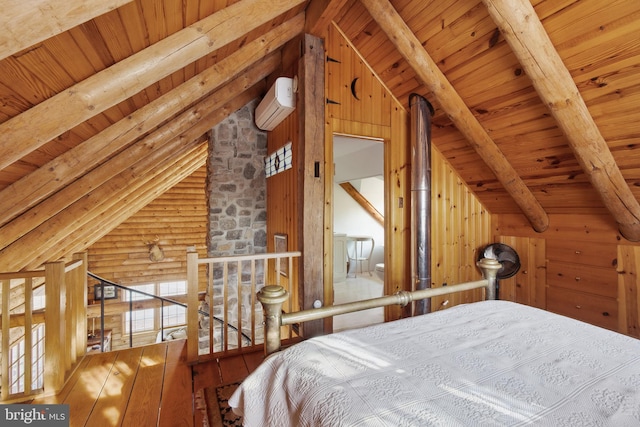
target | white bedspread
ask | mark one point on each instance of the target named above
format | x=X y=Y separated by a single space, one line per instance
x=481 y=364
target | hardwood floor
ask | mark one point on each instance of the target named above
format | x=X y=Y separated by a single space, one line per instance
x=145 y=386
x=154 y=386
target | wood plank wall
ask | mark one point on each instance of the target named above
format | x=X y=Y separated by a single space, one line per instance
x=282 y=201
x=580 y=267
x=178 y=218
x=460 y=224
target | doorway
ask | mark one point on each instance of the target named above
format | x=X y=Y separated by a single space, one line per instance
x=358 y=226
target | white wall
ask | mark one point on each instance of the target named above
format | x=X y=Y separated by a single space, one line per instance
x=351 y=219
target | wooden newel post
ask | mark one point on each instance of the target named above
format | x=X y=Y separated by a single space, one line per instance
x=490 y=269
x=271 y=297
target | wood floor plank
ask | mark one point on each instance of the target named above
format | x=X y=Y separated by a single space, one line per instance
x=112 y=402
x=233 y=369
x=87 y=389
x=146 y=386
x=176 y=405
x=144 y=402
x=61 y=396
x=206 y=374
x=253 y=360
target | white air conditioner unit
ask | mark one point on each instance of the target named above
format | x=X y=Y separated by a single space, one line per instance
x=277 y=104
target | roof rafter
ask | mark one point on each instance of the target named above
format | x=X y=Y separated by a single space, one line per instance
x=64 y=169
x=430 y=75
x=530 y=43
x=25 y=26
x=40 y=124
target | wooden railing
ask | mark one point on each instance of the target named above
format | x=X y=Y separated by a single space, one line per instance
x=231 y=288
x=37 y=358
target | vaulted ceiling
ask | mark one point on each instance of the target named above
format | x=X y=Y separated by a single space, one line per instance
x=104 y=104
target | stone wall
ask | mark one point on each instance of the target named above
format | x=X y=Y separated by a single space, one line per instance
x=236 y=189
x=236 y=186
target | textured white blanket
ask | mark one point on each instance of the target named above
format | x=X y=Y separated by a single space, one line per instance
x=481 y=364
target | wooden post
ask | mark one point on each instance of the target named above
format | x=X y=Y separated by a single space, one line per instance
x=6 y=324
x=28 y=334
x=79 y=292
x=192 y=305
x=311 y=169
x=56 y=301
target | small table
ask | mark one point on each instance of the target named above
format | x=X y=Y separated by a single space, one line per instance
x=94 y=341
x=359 y=256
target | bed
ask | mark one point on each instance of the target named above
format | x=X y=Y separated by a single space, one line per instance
x=485 y=363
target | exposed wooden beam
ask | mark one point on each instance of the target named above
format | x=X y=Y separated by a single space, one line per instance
x=27 y=23
x=363 y=202
x=45 y=241
x=150 y=146
x=529 y=41
x=139 y=194
x=310 y=165
x=107 y=220
x=145 y=189
x=430 y=75
x=51 y=236
x=33 y=188
x=38 y=125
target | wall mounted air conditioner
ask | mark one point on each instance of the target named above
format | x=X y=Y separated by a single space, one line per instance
x=277 y=104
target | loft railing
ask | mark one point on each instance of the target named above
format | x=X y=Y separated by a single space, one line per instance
x=232 y=284
x=154 y=301
x=38 y=359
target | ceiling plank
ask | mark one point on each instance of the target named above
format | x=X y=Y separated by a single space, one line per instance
x=42 y=182
x=23 y=26
x=431 y=76
x=529 y=41
x=319 y=15
x=35 y=127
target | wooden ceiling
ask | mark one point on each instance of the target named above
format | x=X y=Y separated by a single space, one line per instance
x=103 y=103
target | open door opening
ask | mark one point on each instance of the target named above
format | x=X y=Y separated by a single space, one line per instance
x=358 y=226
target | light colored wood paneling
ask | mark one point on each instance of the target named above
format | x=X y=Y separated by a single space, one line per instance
x=178 y=218
x=629 y=290
x=590 y=276
x=587 y=307
x=460 y=224
x=529 y=285
x=465 y=44
x=283 y=197
x=583 y=277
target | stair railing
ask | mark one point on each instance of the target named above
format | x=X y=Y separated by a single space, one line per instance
x=43 y=335
x=159 y=299
x=231 y=288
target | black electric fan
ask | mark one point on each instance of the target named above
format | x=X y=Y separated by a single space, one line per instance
x=506 y=256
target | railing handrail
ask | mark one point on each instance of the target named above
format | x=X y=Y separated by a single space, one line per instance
x=125 y=288
x=104 y=281
x=239 y=258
